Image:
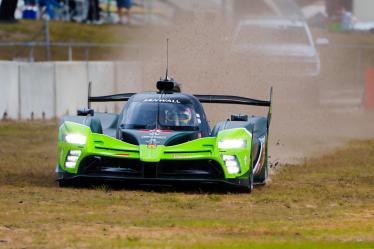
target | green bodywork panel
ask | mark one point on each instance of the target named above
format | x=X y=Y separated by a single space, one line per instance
x=203 y=148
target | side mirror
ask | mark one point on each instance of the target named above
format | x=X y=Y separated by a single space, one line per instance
x=322 y=41
x=85 y=112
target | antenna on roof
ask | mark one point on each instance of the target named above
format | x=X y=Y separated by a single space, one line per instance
x=168 y=84
x=167 y=58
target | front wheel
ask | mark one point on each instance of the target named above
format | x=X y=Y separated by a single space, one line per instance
x=249 y=187
x=263 y=175
x=64 y=184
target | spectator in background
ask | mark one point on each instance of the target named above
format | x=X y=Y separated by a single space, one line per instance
x=124 y=4
x=72 y=9
x=30 y=10
x=93 y=15
x=47 y=7
x=346 y=19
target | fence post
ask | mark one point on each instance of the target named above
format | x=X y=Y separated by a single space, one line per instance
x=70 y=53
x=87 y=53
x=31 y=53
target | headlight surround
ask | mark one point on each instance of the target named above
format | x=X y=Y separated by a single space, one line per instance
x=232 y=144
x=76 y=139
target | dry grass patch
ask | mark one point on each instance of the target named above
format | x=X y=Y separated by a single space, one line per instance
x=324 y=203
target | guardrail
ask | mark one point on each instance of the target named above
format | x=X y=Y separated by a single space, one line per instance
x=69 y=46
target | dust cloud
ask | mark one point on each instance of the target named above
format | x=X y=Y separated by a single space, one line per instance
x=202 y=60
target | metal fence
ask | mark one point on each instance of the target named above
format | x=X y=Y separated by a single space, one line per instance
x=43 y=51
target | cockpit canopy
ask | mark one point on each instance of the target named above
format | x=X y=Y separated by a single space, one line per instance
x=173 y=111
x=168 y=116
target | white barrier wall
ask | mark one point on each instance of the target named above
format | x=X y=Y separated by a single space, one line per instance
x=128 y=79
x=71 y=87
x=9 y=90
x=54 y=89
x=101 y=74
x=37 y=90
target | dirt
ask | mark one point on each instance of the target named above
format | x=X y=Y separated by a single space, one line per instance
x=303 y=126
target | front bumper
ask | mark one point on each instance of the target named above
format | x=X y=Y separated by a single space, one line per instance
x=82 y=178
x=165 y=172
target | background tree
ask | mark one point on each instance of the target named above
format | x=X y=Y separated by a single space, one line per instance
x=7 y=9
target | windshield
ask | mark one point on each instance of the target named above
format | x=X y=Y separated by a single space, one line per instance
x=170 y=116
x=270 y=35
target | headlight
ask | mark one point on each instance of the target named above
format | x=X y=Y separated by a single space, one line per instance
x=232 y=164
x=72 y=158
x=76 y=139
x=232 y=144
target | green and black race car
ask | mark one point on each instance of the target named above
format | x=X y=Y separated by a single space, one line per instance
x=163 y=137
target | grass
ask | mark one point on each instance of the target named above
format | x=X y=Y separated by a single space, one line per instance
x=25 y=31
x=323 y=203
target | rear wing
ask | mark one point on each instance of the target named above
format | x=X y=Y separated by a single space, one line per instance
x=212 y=99
x=107 y=98
x=228 y=99
x=111 y=98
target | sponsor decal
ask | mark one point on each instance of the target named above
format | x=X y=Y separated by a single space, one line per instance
x=152 y=146
x=123 y=155
x=157 y=130
x=172 y=101
x=184 y=157
x=153 y=136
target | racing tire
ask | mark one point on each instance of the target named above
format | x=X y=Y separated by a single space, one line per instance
x=249 y=187
x=264 y=174
x=64 y=184
x=262 y=178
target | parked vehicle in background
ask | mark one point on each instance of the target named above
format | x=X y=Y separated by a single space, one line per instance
x=286 y=42
x=364 y=26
